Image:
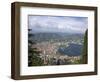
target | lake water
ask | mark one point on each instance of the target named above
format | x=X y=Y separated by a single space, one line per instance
x=71 y=50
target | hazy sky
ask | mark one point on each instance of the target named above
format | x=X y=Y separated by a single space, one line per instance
x=58 y=24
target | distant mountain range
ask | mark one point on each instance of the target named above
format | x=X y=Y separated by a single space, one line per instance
x=56 y=36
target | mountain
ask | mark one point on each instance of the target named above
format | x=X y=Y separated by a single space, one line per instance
x=56 y=36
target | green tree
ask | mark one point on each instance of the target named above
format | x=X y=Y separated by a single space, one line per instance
x=85 y=48
x=33 y=53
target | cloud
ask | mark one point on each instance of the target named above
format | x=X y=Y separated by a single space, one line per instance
x=58 y=24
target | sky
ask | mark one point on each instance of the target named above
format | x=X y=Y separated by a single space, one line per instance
x=64 y=24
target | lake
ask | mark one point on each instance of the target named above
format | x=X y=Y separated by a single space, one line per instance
x=71 y=50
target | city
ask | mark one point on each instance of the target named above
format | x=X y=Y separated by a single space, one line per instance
x=51 y=56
